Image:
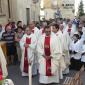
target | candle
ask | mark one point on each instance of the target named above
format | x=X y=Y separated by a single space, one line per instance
x=30 y=75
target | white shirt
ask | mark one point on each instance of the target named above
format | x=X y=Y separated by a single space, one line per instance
x=83 y=56
x=1 y=33
x=77 y=48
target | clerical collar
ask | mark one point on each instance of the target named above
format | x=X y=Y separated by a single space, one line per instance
x=29 y=34
x=47 y=36
x=33 y=28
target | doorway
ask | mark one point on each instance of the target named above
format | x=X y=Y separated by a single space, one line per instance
x=28 y=15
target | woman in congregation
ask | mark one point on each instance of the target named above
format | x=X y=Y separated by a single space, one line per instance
x=18 y=35
x=9 y=37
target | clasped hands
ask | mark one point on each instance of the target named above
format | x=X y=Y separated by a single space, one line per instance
x=30 y=62
x=47 y=57
x=26 y=45
x=72 y=52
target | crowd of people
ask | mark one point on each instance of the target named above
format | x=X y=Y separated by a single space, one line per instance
x=50 y=47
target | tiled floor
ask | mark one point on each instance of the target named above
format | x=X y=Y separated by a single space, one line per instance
x=15 y=75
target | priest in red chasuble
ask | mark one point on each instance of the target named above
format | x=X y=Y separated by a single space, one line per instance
x=27 y=44
x=3 y=65
x=49 y=54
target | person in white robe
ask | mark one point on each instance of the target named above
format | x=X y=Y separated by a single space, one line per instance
x=59 y=34
x=36 y=32
x=79 y=31
x=70 y=29
x=27 y=44
x=1 y=31
x=3 y=65
x=83 y=54
x=66 y=42
x=75 y=51
x=34 y=29
x=49 y=55
x=42 y=30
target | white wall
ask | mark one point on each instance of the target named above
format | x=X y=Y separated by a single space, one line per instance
x=4 y=16
x=35 y=11
x=49 y=13
x=21 y=10
x=18 y=10
x=3 y=20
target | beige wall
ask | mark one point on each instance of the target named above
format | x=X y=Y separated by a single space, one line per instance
x=18 y=11
x=3 y=19
x=4 y=15
x=35 y=11
x=66 y=13
x=49 y=12
x=47 y=3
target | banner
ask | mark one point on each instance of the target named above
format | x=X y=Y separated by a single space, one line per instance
x=68 y=4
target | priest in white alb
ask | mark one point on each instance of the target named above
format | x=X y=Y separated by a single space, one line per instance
x=3 y=65
x=42 y=30
x=70 y=29
x=27 y=44
x=59 y=34
x=36 y=32
x=66 y=42
x=49 y=54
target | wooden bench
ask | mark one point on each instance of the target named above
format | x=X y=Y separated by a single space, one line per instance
x=68 y=81
x=76 y=80
x=77 y=77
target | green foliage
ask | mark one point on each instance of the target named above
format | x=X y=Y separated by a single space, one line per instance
x=81 y=10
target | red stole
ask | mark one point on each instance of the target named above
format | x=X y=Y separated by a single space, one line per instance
x=69 y=31
x=43 y=31
x=47 y=53
x=33 y=31
x=28 y=41
x=1 y=74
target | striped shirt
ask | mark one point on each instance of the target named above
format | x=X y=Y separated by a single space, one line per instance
x=8 y=37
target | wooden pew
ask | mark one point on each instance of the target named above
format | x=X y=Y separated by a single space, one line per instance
x=76 y=80
x=77 y=77
x=68 y=81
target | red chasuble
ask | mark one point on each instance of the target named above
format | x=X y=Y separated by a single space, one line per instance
x=47 y=53
x=1 y=74
x=28 y=41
